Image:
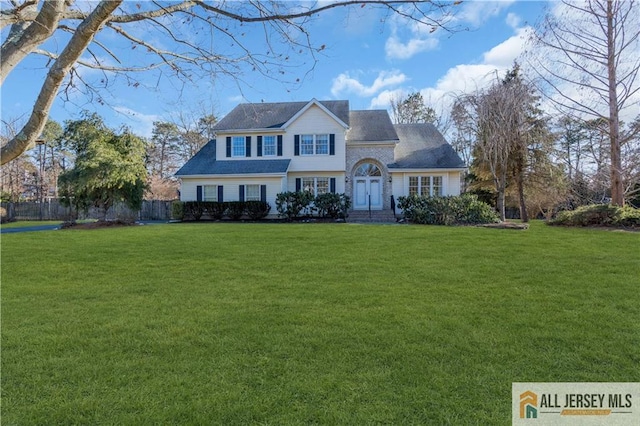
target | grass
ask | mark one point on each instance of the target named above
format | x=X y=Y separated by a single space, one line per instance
x=296 y=324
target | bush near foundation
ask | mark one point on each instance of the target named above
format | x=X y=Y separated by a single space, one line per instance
x=464 y=209
x=234 y=210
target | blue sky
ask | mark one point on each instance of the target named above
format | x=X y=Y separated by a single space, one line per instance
x=365 y=61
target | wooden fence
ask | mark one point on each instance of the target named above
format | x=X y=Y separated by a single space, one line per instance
x=52 y=209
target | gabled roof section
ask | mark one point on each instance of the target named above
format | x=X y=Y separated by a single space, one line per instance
x=204 y=163
x=278 y=114
x=334 y=109
x=371 y=126
x=422 y=146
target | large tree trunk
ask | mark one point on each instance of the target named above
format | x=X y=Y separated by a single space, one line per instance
x=523 y=206
x=617 y=188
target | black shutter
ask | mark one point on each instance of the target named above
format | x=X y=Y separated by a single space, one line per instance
x=199 y=193
x=298 y=184
x=228 y=146
x=259 y=147
x=248 y=146
x=220 y=193
x=296 y=145
x=279 y=145
x=332 y=185
x=263 y=193
x=332 y=144
x=241 y=192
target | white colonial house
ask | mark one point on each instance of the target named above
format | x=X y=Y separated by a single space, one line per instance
x=263 y=149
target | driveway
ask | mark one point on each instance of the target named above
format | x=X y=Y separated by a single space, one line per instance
x=29 y=229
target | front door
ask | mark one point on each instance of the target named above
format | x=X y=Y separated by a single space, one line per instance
x=367 y=193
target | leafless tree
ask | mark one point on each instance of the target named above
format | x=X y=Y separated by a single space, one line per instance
x=586 y=55
x=207 y=38
x=506 y=125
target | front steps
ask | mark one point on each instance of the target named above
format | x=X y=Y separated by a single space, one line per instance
x=375 y=216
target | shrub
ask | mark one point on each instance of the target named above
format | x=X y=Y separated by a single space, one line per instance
x=599 y=215
x=332 y=205
x=177 y=210
x=235 y=209
x=194 y=209
x=257 y=210
x=291 y=204
x=216 y=210
x=465 y=209
x=629 y=217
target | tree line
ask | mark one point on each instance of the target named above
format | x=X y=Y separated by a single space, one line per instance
x=89 y=164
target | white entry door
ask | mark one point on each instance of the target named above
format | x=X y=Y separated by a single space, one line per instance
x=367 y=193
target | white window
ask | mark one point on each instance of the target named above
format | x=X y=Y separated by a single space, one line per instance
x=268 y=145
x=436 y=186
x=426 y=186
x=314 y=144
x=315 y=185
x=322 y=185
x=238 y=146
x=306 y=145
x=322 y=144
x=210 y=193
x=252 y=193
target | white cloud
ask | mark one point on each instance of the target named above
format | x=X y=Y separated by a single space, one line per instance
x=384 y=98
x=421 y=37
x=475 y=13
x=395 y=49
x=506 y=52
x=345 y=83
x=513 y=20
x=141 y=124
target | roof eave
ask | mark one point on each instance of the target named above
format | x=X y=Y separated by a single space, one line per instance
x=235 y=175
x=256 y=130
x=425 y=169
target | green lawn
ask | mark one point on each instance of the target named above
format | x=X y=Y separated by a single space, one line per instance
x=309 y=323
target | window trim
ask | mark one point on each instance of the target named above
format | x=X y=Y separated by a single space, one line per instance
x=421 y=185
x=235 y=139
x=314 y=187
x=248 y=197
x=264 y=145
x=214 y=191
x=314 y=144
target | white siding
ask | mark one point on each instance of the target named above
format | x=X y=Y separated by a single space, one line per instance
x=315 y=121
x=339 y=176
x=400 y=185
x=231 y=191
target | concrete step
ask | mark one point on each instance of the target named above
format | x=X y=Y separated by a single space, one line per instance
x=378 y=216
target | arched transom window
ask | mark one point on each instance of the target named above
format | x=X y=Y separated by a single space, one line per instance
x=368 y=169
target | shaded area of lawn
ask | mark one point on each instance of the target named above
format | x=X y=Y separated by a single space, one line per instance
x=280 y=324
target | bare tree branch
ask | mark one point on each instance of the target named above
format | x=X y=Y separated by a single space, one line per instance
x=78 y=43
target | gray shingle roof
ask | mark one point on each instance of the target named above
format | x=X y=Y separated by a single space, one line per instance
x=204 y=163
x=274 y=115
x=371 y=125
x=423 y=146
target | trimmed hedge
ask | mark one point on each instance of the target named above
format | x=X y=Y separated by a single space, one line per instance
x=294 y=205
x=465 y=209
x=599 y=215
x=234 y=210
